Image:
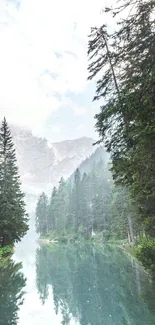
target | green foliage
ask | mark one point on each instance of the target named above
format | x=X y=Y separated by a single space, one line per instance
x=126 y=122
x=42 y=215
x=86 y=205
x=145 y=252
x=6 y=251
x=13 y=217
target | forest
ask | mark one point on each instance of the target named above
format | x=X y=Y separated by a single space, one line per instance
x=88 y=205
x=92 y=260
x=122 y=63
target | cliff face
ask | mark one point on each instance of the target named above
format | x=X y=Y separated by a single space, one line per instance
x=41 y=164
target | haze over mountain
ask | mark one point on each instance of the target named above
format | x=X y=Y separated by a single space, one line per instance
x=41 y=164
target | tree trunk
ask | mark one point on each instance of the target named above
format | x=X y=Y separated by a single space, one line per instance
x=111 y=64
x=129 y=239
x=131 y=229
x=4 y=241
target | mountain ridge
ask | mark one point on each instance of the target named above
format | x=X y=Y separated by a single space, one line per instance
x=42 y=163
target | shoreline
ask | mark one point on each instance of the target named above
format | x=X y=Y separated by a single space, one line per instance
x=128 y=249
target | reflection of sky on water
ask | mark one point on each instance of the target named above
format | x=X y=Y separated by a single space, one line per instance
x=32 y=312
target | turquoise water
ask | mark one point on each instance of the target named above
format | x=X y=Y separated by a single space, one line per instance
x=76 y=284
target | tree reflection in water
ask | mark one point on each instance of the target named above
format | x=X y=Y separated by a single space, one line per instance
x=93 y=285
x=12 y=283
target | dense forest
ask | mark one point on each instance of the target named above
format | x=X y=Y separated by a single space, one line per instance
x=88 y=204
x=126 y=122
x=13 y=217
x=123 y=63
x=121 y=59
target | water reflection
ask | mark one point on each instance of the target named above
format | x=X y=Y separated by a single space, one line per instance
x=12 y=283
x=94 y=286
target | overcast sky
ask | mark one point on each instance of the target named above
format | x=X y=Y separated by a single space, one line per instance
x=43 y=66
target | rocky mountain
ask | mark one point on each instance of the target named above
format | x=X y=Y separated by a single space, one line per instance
x=90 y=163
x=41 y=164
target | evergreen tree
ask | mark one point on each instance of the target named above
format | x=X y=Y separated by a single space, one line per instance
x=42 y=226
x=58 y=208
x=53 y=207
x=120 y=213
x=127 y=119
x=90 y=205
x=76 y=198
x=13 y=218
x=70 y=211
x=85 y=207
x=61 y=208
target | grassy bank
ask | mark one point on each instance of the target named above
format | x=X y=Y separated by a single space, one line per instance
x=52 y=239
x=143 y=251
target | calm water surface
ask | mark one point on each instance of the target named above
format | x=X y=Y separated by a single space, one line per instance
x=78 y=284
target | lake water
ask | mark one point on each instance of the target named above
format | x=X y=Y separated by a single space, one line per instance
x=76 y=284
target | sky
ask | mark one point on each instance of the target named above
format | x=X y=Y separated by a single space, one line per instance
x=43 y=66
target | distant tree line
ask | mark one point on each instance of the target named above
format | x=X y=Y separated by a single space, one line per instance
x=13 y=217
x=87 y=205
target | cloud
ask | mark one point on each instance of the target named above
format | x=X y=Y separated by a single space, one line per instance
x=55 y=129
x=80 y=127
x=78 y=109
x=43 y=57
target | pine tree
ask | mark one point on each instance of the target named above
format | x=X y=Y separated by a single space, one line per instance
x=13 y=218
x=85 y=207
x=53 y=208
x=126 y=122
x=61 y=211
x=89 y=205
x=42 y=209
x=76 y=199
x=69 y=208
